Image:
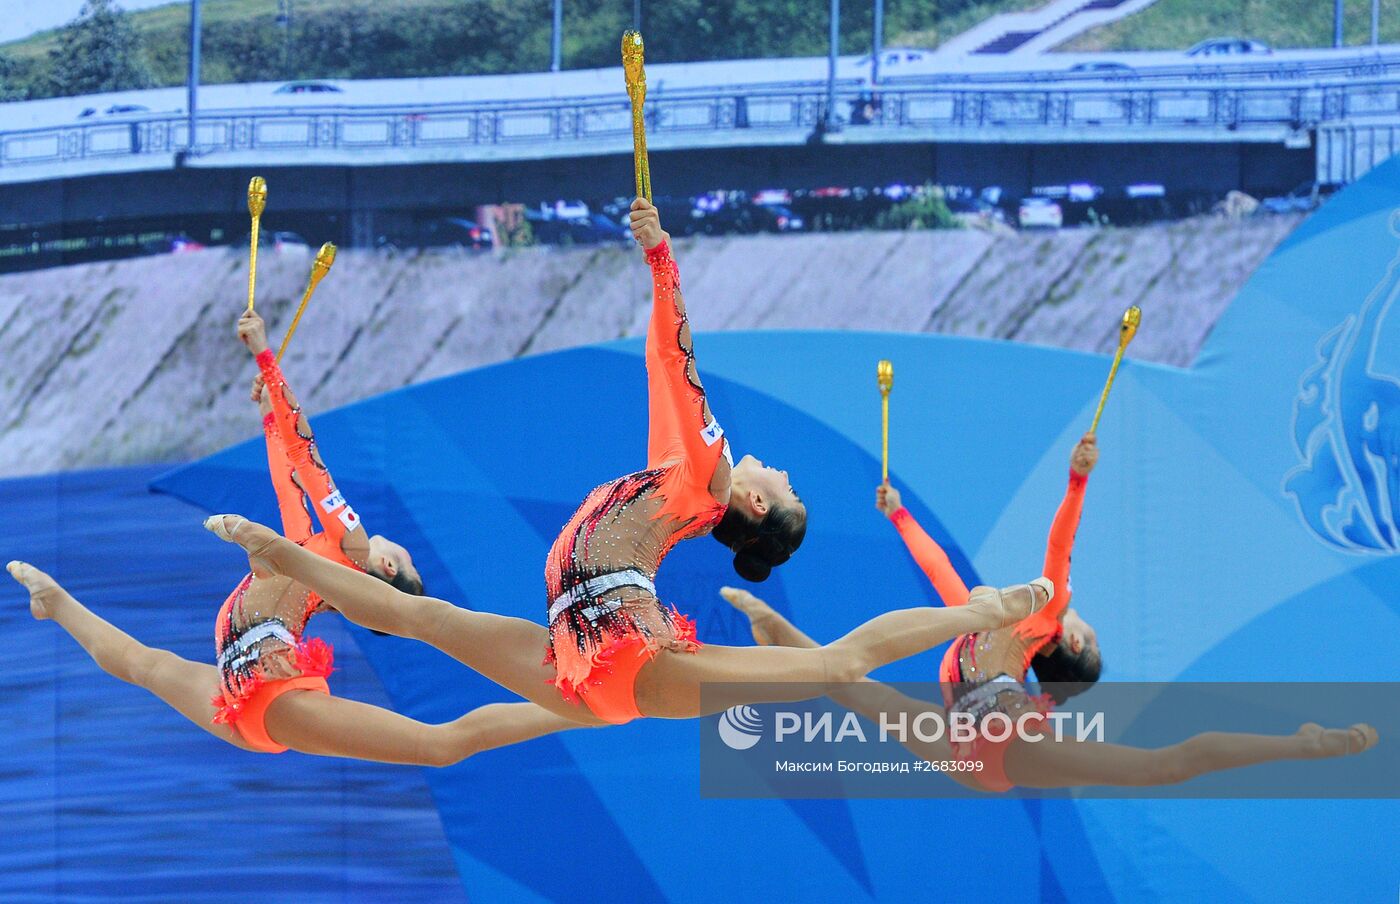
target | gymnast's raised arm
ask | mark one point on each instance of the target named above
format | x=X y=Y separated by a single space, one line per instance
x=682 y=428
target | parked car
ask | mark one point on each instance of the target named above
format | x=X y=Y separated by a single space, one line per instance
x=776 y=218
x=604 y=228
x=836 y=208
x=564 y=210
x=727 y=217
x=745 y=217
x=773 y=211
x=1105 y=68
x=278 y=241
x=894 y=61
x=973 y=210
x=593 y=229
x=113 y=110
x=176 y=243
x=1040 y=213
x=1228 y=47
x=896 y=57
x=1073 y=192
x=780 y=196
x=309 y=87
x=443 y=232
x=1306 y=196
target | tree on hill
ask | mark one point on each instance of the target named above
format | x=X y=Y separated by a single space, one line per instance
x=10 y=86
x=98 y=51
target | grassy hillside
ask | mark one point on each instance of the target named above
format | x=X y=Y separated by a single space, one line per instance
x=243 y=40
x=1177 y=24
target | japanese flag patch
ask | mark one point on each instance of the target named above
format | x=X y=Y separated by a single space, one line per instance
x=332 y=502
x=349 y=518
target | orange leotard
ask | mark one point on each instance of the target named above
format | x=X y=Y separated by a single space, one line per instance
x=258 y=632
x=605 y=621
x=962 y=678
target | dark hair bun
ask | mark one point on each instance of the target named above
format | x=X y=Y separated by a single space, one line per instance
x=761 y=546
x=751 y=567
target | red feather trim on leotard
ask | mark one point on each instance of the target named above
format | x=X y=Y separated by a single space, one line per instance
x=314 y=658
x=580 y=668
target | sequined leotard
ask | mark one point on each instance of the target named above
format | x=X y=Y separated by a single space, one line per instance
x=968 y=685
x=605 y=620
x=258 y=633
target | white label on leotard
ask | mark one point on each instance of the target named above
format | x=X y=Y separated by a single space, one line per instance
x=349 y=518
x=332 y=502
x=711 y=433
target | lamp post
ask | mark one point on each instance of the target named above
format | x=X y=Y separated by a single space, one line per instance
x=877 y=41
x=555 y=41
x=830 y=117
x=192 y=86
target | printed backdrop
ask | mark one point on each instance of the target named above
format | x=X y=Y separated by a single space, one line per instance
x=1243 y=524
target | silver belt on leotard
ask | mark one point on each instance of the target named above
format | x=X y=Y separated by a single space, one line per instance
x=243 y=649
x=982 y=699
x=596 y=587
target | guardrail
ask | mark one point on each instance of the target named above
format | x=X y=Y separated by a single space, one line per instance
x=906 y=114
x=1366 y=65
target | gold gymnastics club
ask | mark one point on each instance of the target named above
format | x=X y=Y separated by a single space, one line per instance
x=257 y=200
x=633 y=51
x=1131 y=318
x=319 y=268
x=884 y=378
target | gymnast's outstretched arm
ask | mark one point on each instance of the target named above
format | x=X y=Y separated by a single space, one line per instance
x=681 y=427
x=340 y=526
x=930 y=557
x=291 y=501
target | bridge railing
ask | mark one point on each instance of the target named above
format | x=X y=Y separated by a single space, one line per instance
x=1374 y=64
x=573 y=123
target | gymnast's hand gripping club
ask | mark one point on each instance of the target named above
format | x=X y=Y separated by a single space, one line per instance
x=319 y=268
x=1131 y=318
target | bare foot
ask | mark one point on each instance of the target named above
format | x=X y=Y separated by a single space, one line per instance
x=1319 y=742
x=43 y=590
x=742 y=600
x=756 y=610
x=253 y=537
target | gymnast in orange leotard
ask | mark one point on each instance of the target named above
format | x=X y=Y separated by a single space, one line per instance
x=268 y=691
x=258 y=634
x=612 y=650
x=1060 y=644
x=985 y=671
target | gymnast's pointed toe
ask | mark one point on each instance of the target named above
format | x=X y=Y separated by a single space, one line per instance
x=42 y=588
x=223 y=526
